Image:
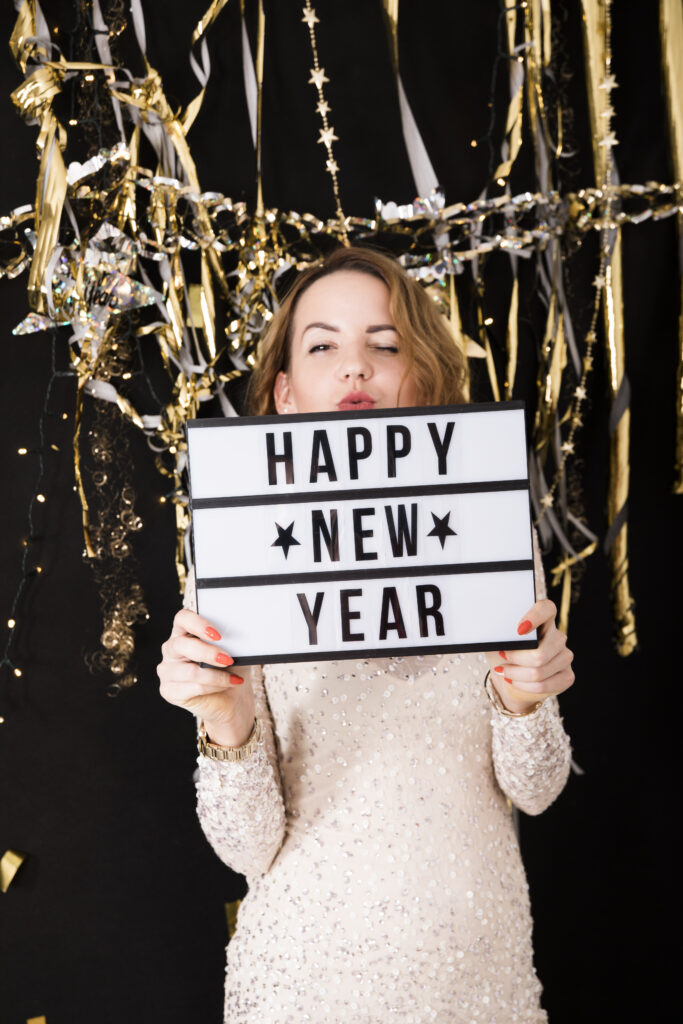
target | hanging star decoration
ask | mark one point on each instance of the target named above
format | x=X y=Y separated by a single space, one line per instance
x=285 y=538
x=441 y=529
x=327 y=136
x=310 y=17
x=317 y=77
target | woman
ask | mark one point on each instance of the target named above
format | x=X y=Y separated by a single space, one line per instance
x=366 y=801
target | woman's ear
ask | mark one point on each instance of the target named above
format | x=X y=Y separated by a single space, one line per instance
x=281 y=393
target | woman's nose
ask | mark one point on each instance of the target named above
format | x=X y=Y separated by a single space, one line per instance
x=355 y=365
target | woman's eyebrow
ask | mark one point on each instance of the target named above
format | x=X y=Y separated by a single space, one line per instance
x=324 y=327
x=380 y=327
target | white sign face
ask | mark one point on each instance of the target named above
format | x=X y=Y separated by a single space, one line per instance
x=363 y=534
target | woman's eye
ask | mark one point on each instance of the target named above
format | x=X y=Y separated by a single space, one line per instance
x=387 y=348
x=321 y=346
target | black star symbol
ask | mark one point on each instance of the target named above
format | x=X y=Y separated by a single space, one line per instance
x=442 y=529
x=284 y=538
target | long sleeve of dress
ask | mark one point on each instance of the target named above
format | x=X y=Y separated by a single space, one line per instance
x=239 y=803
x=532 y=755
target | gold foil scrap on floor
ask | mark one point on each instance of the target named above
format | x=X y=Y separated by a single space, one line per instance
x=10 y=862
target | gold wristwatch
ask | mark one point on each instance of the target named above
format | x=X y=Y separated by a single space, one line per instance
x=219 y=753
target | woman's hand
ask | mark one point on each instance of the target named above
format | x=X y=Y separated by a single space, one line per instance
x=194 y=675
x=524 y=677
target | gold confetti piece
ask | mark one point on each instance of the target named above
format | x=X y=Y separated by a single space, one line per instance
x=10 y=863
x=36 y=1020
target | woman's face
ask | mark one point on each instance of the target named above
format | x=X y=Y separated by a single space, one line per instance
x=344 y=350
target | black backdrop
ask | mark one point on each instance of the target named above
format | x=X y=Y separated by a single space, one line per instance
x=117 y=915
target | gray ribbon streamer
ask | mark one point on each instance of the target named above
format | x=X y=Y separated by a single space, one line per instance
x=620 y=404
x=614 y=528
x=250 y=84
x=423 y=172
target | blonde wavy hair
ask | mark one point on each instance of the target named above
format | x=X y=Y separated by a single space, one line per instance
x=437 y=364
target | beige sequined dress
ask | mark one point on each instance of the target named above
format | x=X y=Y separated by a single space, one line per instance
x=373 y=825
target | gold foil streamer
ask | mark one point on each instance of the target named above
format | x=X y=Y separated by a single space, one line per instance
x=391 y=16
x=34 y=100
x=24 y=28
x=513 y=125
x=562 y=573
x=553 y=361
x=10 y=862
x=207 y=19
x=537 y=38
x=541 y=16
x=85 y=509
x=597 y=48
x=671 y=29
x=512 y=339
x=486 y=344
x=50 y=195
x=461 y=340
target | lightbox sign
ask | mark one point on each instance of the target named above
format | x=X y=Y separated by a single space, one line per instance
x=368 y=534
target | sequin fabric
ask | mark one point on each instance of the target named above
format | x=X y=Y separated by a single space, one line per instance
x=385 y=880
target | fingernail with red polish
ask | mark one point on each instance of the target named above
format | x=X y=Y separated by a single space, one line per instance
x=507 y=680
x=499 y=668
x=524 y=627
x=224 y=659
x=212 y=633
x=236 y=680
x=502 y=654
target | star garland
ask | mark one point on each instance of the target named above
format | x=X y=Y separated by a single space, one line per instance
x=327 y=136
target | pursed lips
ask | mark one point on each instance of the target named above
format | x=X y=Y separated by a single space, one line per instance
x=356 y=400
